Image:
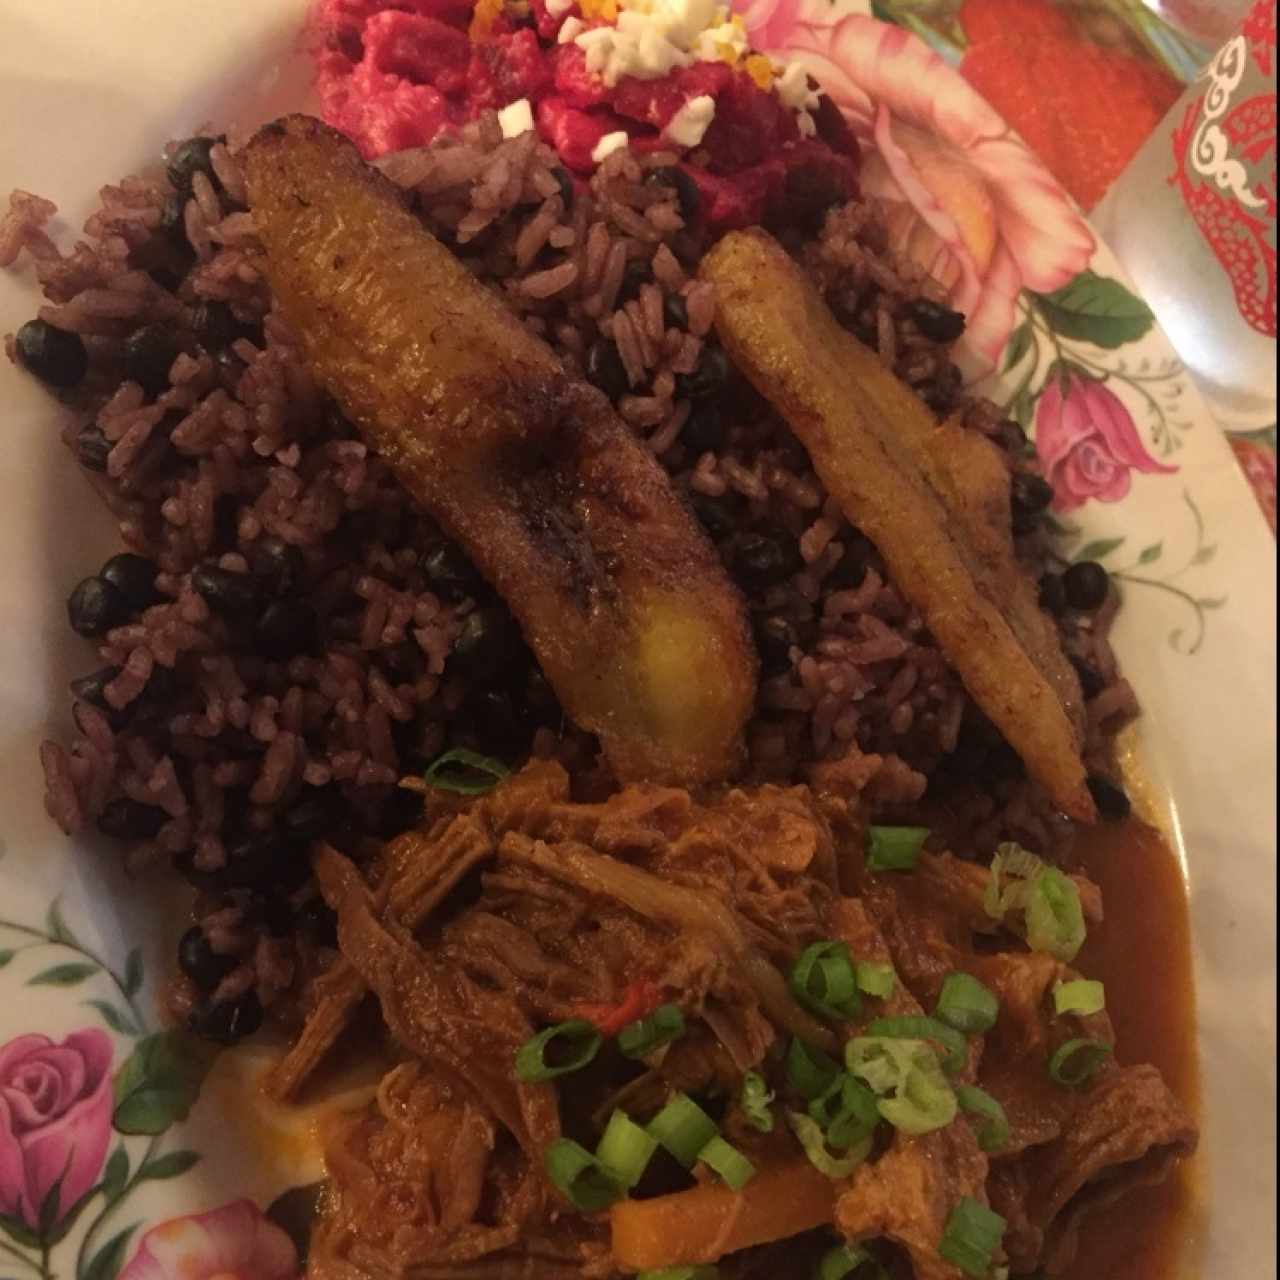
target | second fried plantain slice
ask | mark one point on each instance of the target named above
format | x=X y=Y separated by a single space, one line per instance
x=618 y=592
x=933 y=498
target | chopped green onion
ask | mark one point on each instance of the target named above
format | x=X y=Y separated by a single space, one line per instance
x=577 y=1041
x=810 y=1072
x=972 y=1235
x=814 y=1142
x=683 y=1128
x=823 y=980
x=848 y=1112
x=883 y=1064
x=1015 y=861
x=640 y=1038
x=584 y=1181
x=918 y=1027
x=914 y=1094
x=965 y=1004
x=1076 y=1062
x=725 y=1159
x=875 y=979
x=456 y=771
x=756 y=1097
x=894 y=848
x=681 y=1273
x=993 y=1133
x=1055 y=920
x=626 y=1148
x=846 y=1260
x=1081 y=996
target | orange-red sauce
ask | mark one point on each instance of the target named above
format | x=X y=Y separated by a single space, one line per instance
x=1142 y=951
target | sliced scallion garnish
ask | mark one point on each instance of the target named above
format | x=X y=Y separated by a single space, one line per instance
x=640 y=1038
x=824 y=981
x=1077 y=1061
x=683 y=1129
x=1055 y=919
x=1081 y=996
x=814 y=1142
x=919 y=1027
x=848 y=1112
x=914 y=1095
x=626 y=1148
x=756 y=1100
x=1013 y=862
x=993 y=1132
x=724 y=1158
x=575 y=1043
x=971 y=1237
x=894 y=848
x=580 y=1177
x=875 y=979
x=810 y=1072
x=466 y=772
x=849 y=1262
x=965 y=1004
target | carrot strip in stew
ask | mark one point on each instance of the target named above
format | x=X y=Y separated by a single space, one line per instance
x=704 y=1224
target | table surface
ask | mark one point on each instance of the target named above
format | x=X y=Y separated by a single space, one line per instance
x=1028 y=59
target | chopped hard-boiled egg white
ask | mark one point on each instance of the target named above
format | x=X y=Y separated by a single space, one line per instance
x=795 y=91
x=651 y=37
x=607 y=145
x=648 y=39
x=687 y=127
x=516 y=118
x=558 y=8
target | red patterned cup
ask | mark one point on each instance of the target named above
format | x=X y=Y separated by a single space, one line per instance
x=1193 y=220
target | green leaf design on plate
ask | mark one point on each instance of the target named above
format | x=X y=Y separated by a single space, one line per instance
x=159 y=1082
x=172 y=1165
x=1023 y=408
x=1020 y=341
x=5 y=957
x=18 y=1231
x=1150 y=554
x=1092 y=308
x=106 y=1263
x=116 y=1019
x=1205 y=554
x=55 y=925
x=115 y=1174
x=133 y=972
x=1099 y=549
x=63 y=975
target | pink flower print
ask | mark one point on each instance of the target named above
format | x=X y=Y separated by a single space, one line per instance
x=235 y=1242
x=55 y=1121
x=1087 y=442
x=966 y=201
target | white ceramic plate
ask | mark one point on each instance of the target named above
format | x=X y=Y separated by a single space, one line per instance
x=90 y=91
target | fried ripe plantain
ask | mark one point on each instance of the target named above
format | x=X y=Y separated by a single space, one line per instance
x=933 y=498
x=619 y=594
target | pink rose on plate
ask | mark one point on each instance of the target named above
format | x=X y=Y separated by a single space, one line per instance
x=967 y=201
x=1087 y=442
x=55 y=1121
x=235 y=1242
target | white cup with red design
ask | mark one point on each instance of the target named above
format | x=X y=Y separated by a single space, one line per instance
x=1193 y=221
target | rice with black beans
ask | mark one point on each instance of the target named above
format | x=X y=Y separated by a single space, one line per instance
x=225 y=743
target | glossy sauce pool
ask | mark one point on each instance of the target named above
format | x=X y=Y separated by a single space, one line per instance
x=1142 y=951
